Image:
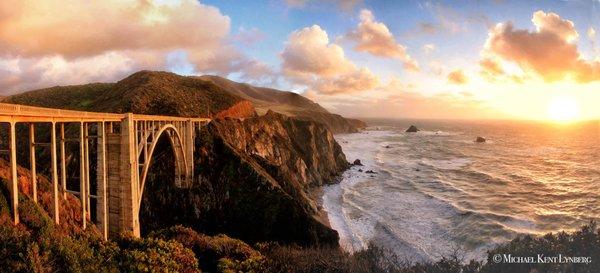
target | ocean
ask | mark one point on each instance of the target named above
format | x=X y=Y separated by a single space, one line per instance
x=437 y=192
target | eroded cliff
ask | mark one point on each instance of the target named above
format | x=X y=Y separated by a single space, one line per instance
x=253 y=181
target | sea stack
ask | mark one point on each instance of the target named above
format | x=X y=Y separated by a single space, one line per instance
x=480 y=139
x=412 y=129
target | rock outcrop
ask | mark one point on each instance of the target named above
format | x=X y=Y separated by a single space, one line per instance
x=412 y=129
x=480 y=139
x=241 y=109
x=254 y=177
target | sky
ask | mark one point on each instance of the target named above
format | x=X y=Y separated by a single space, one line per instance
x=497 y=59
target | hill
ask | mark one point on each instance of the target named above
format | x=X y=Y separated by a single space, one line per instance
x=265 y=98
x=287 y=103
x=144 y=92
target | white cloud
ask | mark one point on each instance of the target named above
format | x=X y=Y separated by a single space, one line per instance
x=61 y=37
x=375 y=38
x=310 y=59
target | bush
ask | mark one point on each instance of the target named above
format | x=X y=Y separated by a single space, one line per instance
x=155 y=255
x=216 y=253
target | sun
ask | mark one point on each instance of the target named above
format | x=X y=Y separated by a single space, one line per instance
x=563 y=109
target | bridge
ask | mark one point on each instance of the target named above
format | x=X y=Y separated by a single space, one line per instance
x=124 y=147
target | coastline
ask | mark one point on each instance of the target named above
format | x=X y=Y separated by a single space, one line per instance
x=330 y=201
x=322 y=216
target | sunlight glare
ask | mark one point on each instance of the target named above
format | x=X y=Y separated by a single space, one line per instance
x=563 y=109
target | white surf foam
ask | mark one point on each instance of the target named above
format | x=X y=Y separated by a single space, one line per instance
x=447 y=164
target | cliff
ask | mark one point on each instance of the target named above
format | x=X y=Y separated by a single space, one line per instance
x=254 y=176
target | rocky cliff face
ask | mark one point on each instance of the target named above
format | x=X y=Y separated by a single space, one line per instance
x=305 y=152
x=253 y=181
x=241 y=109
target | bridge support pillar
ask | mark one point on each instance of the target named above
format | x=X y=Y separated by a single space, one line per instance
x=123 y=185
x=189 y=150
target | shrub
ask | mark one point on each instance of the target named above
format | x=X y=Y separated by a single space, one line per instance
x=155 y=255
x=215 y=253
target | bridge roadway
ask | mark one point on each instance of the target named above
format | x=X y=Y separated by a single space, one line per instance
x=124 y=146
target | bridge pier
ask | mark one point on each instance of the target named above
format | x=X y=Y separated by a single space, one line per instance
x=123 y=191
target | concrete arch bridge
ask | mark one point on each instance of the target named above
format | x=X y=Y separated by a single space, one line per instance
x=124 y=147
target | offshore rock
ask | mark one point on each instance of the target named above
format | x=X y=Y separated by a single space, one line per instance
x=412 y=129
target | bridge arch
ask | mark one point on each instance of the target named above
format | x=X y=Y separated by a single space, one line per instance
x=146 y=149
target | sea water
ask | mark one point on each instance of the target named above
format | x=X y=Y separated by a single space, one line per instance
x=437 y=192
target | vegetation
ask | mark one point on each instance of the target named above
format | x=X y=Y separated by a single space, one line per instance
x=582 y=243
x=144 y=92
x=77 y=97
x=38 y=245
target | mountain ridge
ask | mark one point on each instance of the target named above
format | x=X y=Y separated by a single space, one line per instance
x=287 y=103
x=165 y=93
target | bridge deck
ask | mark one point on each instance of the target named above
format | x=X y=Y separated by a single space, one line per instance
x=24 y=113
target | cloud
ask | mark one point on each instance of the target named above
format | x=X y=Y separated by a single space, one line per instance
x=20 y=74
x=552 y=23
x=491 y=67
x=308 y=52
x=249 y=37
x=61 y=36
x=375 y=38
x=449 y=20
x=457 y=77
x=428 y=28
x=436 y=68
x=428 y=48
x=356 y=81
x=296 y=3
x=591 y=34
x=549 y=51
x=310 y=59
x=344 y=5
x=73 y=28
x=395 y=99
